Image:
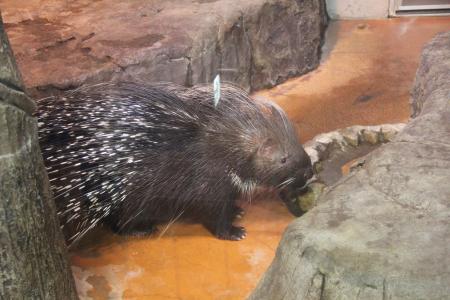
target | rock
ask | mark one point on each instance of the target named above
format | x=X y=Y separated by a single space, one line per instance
x=351 y=135
x=382 y=232
x=433 y=63
x=371 y=137
x=33 y=257
x=356 y=164
x=11 y=86
x=322 y=145
x=389 y=131
x=312 y=151
x=255 y=43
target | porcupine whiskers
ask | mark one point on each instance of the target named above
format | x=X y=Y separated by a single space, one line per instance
x=285 y=183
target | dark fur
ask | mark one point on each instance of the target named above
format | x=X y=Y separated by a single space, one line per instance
x=138 y=155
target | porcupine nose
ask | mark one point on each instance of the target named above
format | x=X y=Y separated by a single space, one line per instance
x=308 y=173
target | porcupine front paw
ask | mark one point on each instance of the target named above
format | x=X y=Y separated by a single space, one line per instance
x=235 y=233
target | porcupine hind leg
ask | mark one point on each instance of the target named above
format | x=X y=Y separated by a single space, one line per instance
x=219 y=220
x=238 y=213
x=138 y=227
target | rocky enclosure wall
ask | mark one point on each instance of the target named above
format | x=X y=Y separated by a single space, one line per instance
x=383 y=231
x=255 y=43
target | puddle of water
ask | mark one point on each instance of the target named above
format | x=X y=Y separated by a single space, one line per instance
x=186 y=263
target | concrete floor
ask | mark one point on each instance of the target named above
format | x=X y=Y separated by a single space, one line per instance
x=365 y=77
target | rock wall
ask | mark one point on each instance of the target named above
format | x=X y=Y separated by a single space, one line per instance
x=433 y=76
x=255 y=43
x=382 y=232
x=33 y=258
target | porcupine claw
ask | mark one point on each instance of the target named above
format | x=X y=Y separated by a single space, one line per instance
x=234 y=233
x=237 y=233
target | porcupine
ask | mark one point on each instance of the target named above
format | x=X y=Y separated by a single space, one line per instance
x=137 y=155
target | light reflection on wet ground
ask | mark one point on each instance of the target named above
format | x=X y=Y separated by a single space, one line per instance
x=185 y=263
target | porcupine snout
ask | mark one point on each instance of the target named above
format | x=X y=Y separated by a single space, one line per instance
x=304 y=175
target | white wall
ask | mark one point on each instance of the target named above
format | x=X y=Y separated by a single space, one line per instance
x=358 y=9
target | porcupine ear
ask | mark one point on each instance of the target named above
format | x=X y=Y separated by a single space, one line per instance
x=277 y=112
x=272 y=110
x=280 y=117
x=269 y=150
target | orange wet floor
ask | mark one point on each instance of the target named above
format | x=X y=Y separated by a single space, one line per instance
x=185 y=263
x=365 y=77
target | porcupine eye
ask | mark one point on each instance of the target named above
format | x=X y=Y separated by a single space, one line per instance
x=283 y=160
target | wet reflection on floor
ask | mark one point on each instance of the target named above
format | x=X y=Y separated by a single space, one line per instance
x=365 y=77
x=185 y=263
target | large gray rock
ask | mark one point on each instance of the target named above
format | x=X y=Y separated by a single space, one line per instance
x=255 y=43
x=435 y=68
x=383 y=232
x=33 y=258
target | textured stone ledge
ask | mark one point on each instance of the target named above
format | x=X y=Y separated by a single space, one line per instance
x=320 y=146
